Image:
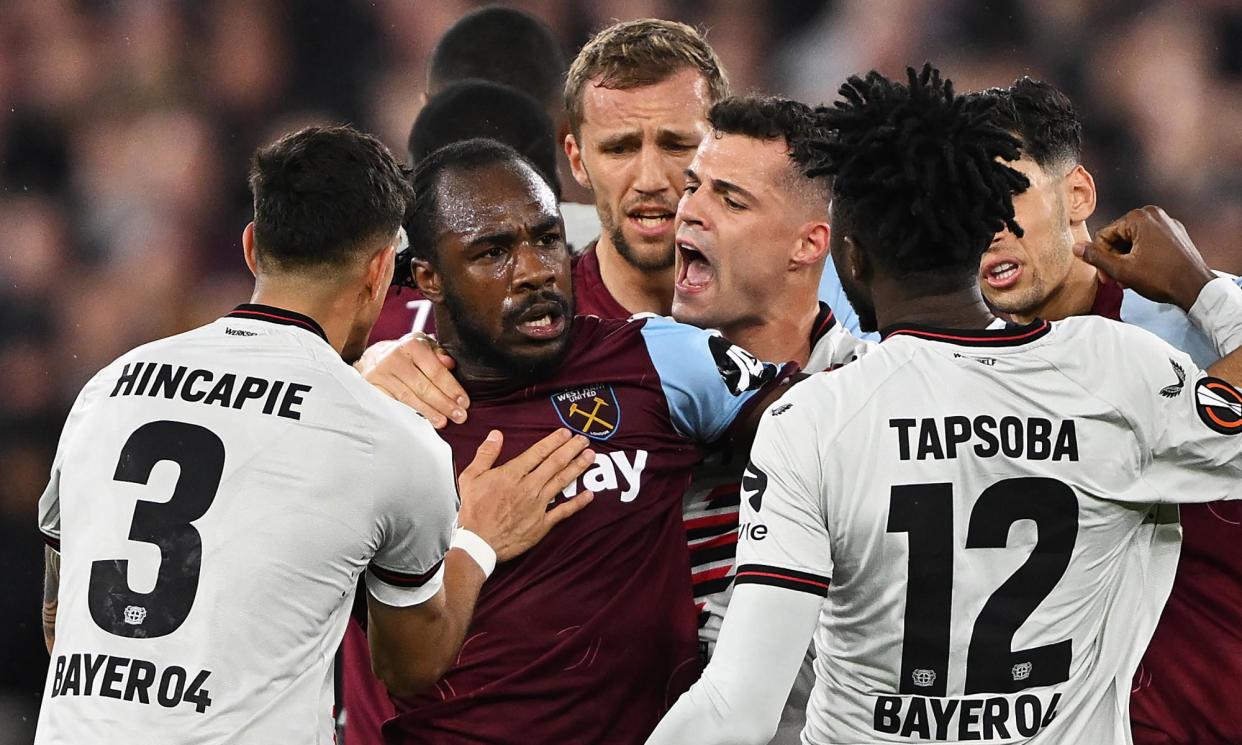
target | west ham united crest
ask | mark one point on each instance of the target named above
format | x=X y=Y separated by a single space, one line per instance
x=591 y=410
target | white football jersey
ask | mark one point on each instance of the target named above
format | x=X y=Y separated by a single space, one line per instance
x=984 y=513
x=711 y=507
x=215 y=498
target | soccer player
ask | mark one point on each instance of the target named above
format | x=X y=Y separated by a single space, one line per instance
x=1191 y=676
x=462 y=111
x=590 y=636
x=752 y=238
x=217 y=495
x=972 y=498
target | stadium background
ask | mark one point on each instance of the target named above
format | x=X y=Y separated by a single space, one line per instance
x=125 y=128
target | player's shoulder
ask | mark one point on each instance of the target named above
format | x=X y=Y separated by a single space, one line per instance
x=1104 y=341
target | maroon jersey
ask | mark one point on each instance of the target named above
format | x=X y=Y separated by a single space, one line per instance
x=591 y=635
x=404 y=310
x=591 y=296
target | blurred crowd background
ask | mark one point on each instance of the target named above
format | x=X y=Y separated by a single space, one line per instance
x=126 y=126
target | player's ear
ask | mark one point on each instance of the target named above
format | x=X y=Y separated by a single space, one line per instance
x=574 y=154
x=428 y=280
x=1080 y=194
x=812 y=244
x=248 y=249
x=853 y=259
x=379 y=272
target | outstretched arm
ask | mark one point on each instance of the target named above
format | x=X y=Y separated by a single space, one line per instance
x=1151 y=253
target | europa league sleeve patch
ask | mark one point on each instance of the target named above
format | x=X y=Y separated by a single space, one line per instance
x=1219 y=405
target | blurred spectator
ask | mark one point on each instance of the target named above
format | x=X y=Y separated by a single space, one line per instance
x=125 y=127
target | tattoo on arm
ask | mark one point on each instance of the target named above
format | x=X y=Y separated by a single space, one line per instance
x=51 y=593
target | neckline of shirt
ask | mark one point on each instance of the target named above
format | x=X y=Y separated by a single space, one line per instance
x=280 y=316
x=1008 y=335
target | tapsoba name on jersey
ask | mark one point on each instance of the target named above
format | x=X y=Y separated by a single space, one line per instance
x=152 y=379
x=1031 y=438
x=108 y=676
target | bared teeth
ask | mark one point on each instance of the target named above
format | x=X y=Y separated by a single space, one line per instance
x=544 y=320
x=1004 y=270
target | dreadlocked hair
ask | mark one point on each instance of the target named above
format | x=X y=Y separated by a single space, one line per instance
x=915 y=175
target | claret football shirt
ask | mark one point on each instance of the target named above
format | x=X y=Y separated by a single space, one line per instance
x=591 y=635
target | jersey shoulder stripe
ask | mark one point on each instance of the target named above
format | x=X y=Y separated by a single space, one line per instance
x=403 y=579
x=789 y=579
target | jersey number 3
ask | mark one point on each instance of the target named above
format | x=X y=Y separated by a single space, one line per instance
x=925 y=512
x=115 y=606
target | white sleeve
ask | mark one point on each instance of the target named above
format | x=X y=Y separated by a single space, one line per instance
x=49 y=501
x=416 y=502
x=742 y=692
x=1190 y=424
x=784 y=541
x=1218 y=313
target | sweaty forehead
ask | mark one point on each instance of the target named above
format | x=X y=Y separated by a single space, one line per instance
x=478 y=201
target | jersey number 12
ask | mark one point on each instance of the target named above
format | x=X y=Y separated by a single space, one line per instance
x=925 y=512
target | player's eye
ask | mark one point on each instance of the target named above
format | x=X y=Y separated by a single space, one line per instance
x=691 y=187
x=549 y=239
x=733 y=204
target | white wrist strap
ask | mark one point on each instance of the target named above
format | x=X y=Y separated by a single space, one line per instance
x=478 y=549
x=1218 y=313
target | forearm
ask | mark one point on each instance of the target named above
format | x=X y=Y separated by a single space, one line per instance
x=463 y=580
x=1217 y=312
x=51 y=595
x=743 y=690
x=413 y=648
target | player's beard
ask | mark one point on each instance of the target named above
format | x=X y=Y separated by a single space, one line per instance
x=646 y=263
x=482 y=346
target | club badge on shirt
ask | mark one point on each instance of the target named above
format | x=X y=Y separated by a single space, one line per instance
x=591 y=410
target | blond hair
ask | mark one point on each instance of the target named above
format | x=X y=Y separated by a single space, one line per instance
x=632 y=54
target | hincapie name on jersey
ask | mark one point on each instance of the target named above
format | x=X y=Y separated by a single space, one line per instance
x=1032 y=438
x=129 y=679
x=250 y=393
x=983 y=719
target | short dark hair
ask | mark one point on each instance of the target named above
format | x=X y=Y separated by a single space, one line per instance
x=773 y=118
x=1042 y=117
x=422 y=219
x=321 y=193
x=504 y=45
x=470 y=109
x=915 y=175
x=632 y=54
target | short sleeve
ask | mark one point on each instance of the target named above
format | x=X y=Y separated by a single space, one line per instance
x=1196 y=446
x=416 y=508
x=49 y=501
x=784 y=540
x=707 y=380
x=1189 y=424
